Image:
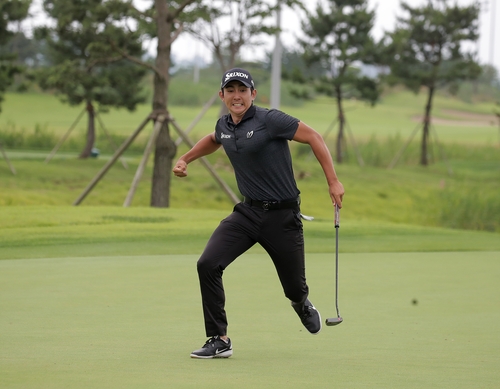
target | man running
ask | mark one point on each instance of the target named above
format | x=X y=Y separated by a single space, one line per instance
x=256 y=140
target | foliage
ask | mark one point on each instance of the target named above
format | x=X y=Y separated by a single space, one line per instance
x=337 y=37
x=82 y=69
x=426 y=50
x=485 y=88
x=10 y=11
x=79 y=72
x=228 y=26
x=298 y=72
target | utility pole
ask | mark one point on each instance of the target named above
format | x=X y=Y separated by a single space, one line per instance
x=276 y=64
x=492 y=33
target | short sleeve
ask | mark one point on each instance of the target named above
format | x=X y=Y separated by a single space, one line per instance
x=281 y=125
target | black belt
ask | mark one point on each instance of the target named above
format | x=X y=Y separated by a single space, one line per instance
x=273 y=204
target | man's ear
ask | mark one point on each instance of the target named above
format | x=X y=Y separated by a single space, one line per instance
x=221 y=94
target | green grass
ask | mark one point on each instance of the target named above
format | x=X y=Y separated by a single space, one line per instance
x=131 y=321
x=104 y=296
x=408 y=194
x=51 y=232
x=391 y=117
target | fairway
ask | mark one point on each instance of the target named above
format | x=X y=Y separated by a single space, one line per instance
x=131 y=322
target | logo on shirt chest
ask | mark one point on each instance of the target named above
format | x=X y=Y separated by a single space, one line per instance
x=225 y=136
x=249 y=134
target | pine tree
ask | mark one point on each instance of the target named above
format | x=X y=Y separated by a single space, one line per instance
x=10 y=11
x=426 y=50
x=83 y=71
x=338 y=37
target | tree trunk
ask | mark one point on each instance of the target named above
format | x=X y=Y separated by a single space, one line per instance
x=231 y=63
x=90 y=131
x=424 y=161
x=163 y=161
x=340 y=135
x=165 y=147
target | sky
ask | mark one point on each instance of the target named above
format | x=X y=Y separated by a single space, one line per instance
x=186 y=48
x=385 y=10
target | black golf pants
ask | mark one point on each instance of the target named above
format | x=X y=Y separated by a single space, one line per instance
x=279 y=232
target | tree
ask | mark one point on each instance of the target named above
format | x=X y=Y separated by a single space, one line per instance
x=163 y=20
x=227 y=26
x=10 y=11
x=426 y=50
x=80 y=71
x=337 y=37
x=29 y=51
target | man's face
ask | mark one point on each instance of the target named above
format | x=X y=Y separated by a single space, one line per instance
x=237 y=97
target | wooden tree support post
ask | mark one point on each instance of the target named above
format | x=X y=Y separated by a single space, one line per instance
x=441 y=150
x=350 y=134
x=232 y=196
x=7 y=159
x=330 y=127
x=402 y=150
x=354 y=145
x=497 y=114
x=144 y=161
x=110 y=140
x=61 y=141
x=198 y=117
x=110 y=163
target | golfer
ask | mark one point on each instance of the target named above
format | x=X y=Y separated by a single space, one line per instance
x=256 y=141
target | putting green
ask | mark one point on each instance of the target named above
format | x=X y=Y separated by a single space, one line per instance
x=130 y=322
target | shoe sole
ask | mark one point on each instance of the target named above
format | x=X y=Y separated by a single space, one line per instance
x=224 y=354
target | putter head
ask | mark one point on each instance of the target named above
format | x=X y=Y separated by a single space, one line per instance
x=333 y=321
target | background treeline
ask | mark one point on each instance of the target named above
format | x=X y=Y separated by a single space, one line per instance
x=91 y=54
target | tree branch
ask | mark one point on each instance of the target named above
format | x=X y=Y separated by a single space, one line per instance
x=172 y=16
x=176 y=34
x=145 y=14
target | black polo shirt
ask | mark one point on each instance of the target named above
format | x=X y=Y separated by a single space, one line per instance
x=259 y=152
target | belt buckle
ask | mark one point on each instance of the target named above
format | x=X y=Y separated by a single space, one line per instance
x=266 y=205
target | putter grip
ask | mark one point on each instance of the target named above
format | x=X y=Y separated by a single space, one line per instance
x=337 y=216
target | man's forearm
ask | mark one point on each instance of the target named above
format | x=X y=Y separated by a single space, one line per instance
x=204 y=146
x=324 y=158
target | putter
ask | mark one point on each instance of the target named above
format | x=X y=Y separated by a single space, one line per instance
x=333 y=321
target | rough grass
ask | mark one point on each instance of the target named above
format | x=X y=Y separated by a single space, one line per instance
x=409 y=194
x=406 y=194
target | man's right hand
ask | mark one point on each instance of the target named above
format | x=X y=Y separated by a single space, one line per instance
x=180 y=169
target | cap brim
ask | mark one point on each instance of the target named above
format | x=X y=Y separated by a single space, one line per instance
x=247 y=84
